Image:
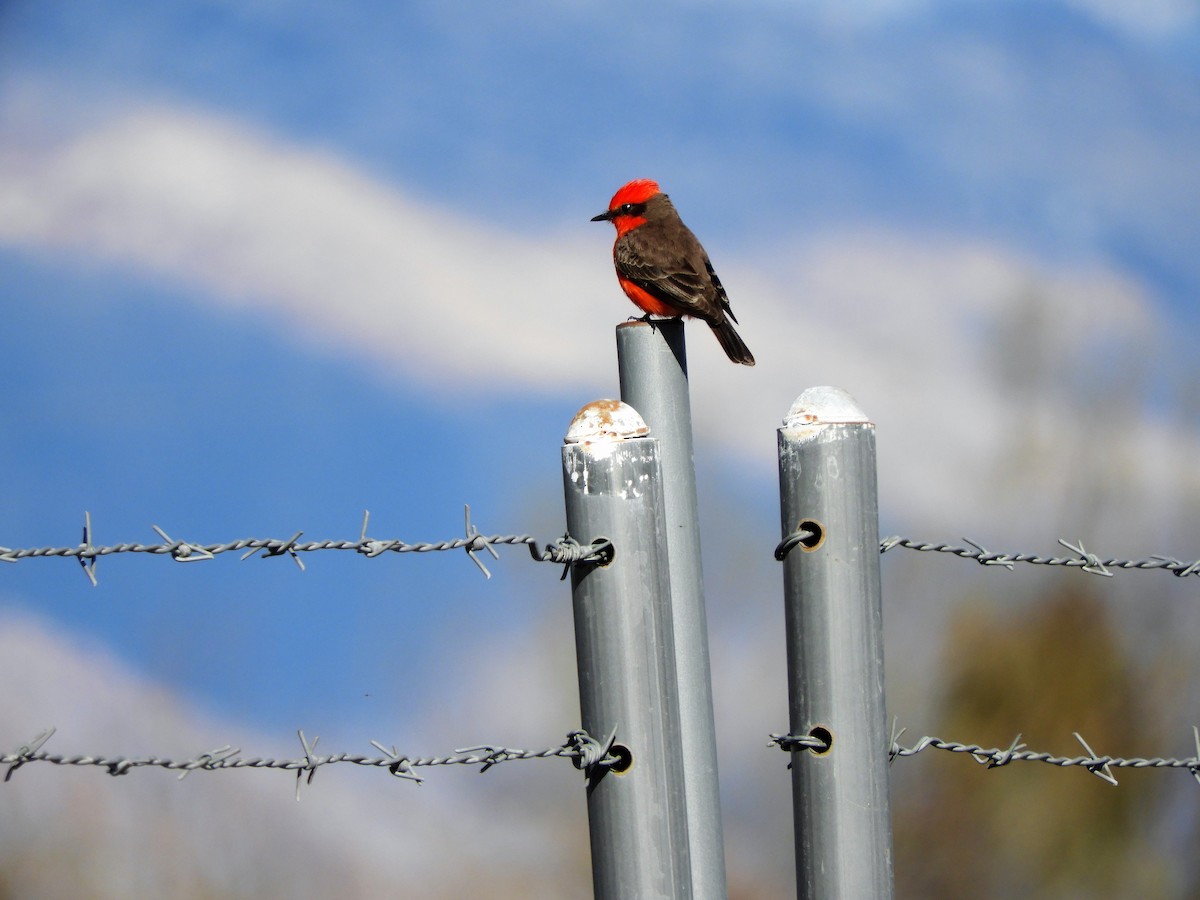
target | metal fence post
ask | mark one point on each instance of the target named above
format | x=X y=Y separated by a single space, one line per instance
x=835 y=648
x=625 y=653
x=652 y=362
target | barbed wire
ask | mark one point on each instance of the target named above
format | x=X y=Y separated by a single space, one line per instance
x=993 y=758
x=589 y=755
x=566 y=550
x=1083 y=560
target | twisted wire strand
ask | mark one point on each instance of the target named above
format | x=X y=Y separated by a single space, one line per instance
x=1083 y=560
x=566 y=551
x=586 y=752
x=994 y=757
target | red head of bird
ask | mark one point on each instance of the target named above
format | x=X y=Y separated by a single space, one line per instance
x=627 y=208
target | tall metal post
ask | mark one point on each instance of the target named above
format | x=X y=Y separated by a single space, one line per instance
x=835 y=648
x=612 y=481
x=652 y=362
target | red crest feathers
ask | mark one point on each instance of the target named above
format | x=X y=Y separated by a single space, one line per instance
x=637 y=191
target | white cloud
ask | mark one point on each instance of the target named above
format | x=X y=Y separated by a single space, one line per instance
x=262 y=225
x=1148 y=18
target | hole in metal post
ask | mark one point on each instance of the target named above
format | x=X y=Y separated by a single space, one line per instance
x=825 y=736
x=816 y=534
x=607 y=553
x=624 y=759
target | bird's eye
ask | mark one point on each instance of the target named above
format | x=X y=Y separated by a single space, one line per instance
x=633 y=209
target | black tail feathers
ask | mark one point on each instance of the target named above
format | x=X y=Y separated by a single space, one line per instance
x=731 y=342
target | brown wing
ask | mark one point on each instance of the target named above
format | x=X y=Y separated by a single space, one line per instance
x=671 y=268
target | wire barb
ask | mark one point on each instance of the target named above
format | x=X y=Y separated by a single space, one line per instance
x=991 y=559
x=26 y=752
x=995 y=762
x=1179 y=569
x=87 y=555
x=489 y=755
x=894 y=740
x=476 y=541
x=212 y=759
x=181 y=551
x=1092 y=562
x=366 y=546
x=1196 y=768
x=278 y=548
x=311 y=762
x=400 y=767
x=1099 y=765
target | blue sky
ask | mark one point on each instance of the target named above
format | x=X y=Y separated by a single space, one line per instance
x=1003 y=116
x=267 y=265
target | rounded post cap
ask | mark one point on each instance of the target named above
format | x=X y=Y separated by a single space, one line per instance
x=824 y=406
x=606 y=420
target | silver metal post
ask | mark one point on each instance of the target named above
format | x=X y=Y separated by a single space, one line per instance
x=652 y=362
x=625 y=654
x=835 y=648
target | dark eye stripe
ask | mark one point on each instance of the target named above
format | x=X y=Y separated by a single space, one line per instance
x=633 y=209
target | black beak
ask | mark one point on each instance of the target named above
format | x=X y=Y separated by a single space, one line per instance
x=605 y=216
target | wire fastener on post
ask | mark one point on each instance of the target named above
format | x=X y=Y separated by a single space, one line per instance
x=590 y=756
x=789 y=742
x=793 y=540
x=570 y=552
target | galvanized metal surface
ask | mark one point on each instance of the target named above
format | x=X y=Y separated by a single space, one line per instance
x=652 y=362
x=835 y=649
x=612 y=481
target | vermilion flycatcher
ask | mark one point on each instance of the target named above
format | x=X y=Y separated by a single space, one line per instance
x=663 y=269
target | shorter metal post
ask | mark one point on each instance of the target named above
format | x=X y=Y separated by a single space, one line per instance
x=835 y=648
x=625 y=654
